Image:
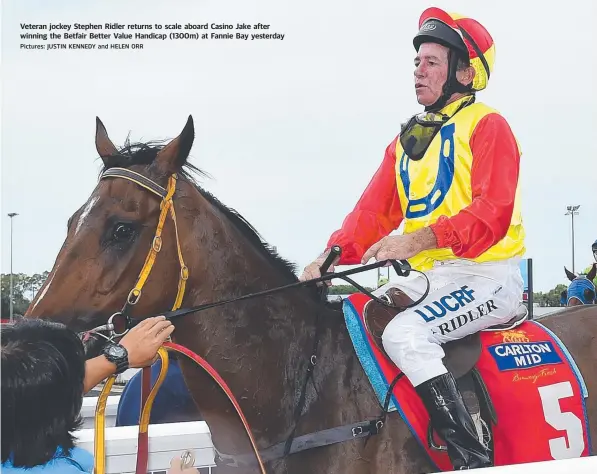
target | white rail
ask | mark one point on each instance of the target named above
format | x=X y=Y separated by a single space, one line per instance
x=166 y=441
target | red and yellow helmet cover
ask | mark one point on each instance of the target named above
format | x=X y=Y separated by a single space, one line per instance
x=479 y=35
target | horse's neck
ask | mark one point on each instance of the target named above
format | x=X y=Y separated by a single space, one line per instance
x=261 y=347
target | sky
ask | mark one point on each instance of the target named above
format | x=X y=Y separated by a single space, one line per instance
x=290 y=130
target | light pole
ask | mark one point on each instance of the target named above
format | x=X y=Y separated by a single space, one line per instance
x=572 y=210
x=11 y=215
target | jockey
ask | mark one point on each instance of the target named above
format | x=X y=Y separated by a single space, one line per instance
x=451 y=176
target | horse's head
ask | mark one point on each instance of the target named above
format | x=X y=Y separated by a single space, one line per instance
x=582 y=289
x=106 y=252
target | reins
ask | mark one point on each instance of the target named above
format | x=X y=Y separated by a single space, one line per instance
x=402 y=269
x=148 y=393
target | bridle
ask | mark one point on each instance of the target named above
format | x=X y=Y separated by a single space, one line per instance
x=320 y=438
x=166 y=206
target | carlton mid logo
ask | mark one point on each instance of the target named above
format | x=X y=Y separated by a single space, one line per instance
x=449 y=303
x=509 y=356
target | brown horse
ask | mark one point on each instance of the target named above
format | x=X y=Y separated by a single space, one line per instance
x=260 y=346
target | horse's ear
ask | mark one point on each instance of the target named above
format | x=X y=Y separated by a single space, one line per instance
x=174 y=155
x=592 y=273
x=103 y=144
x=571 y=276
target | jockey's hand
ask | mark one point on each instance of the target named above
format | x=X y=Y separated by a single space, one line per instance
x=143 y=341
x=311 y=271
x=394 y=247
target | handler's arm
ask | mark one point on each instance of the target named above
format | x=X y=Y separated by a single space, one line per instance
x=142 y=344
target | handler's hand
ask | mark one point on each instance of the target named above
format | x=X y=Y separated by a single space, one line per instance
x=394 y=247
x=176 y=467
x=143 y=341
x=311 y=271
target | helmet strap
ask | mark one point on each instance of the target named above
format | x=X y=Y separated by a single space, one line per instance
x=451 y=86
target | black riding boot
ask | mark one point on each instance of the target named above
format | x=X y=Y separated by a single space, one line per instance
x=453 y=422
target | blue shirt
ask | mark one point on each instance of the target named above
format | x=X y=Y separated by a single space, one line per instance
x=79 y=461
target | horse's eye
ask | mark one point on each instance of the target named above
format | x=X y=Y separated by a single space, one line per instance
x=123 y=232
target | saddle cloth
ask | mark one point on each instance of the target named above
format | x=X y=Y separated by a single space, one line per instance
x=535 y=387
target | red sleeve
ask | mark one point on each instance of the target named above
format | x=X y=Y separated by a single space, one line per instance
x=494 y=177
x=376 y=214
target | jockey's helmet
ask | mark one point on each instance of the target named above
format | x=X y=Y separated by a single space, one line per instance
x=594 y=249
x=465 y=38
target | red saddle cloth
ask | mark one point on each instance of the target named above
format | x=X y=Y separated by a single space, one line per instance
x=536 y=388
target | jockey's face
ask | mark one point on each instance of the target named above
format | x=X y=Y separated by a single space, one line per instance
x=431 y=72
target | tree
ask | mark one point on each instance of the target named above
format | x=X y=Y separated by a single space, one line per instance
x=19 y=301
x=551 y=298
x=34 y=283
x=25 y=288
x=345 y=290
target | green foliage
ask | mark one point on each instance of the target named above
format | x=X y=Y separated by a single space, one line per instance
x=345 y=290
x=24 y=289
x=551 y=298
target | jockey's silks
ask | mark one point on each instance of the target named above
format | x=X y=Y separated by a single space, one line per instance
x=465 y=188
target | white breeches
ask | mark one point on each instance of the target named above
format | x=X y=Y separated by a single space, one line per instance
x=464 y=297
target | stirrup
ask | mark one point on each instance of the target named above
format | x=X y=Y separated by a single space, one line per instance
x=483 y=434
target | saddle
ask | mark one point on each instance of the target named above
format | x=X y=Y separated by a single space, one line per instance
x=461 y=355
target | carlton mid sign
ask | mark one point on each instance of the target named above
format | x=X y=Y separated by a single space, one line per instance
x=522 y=355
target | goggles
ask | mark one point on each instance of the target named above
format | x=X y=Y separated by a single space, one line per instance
x=418 y=133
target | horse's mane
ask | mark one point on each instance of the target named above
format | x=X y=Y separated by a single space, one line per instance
x=144 y=154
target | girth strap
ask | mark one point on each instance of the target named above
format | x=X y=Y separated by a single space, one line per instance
x=302 y=443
